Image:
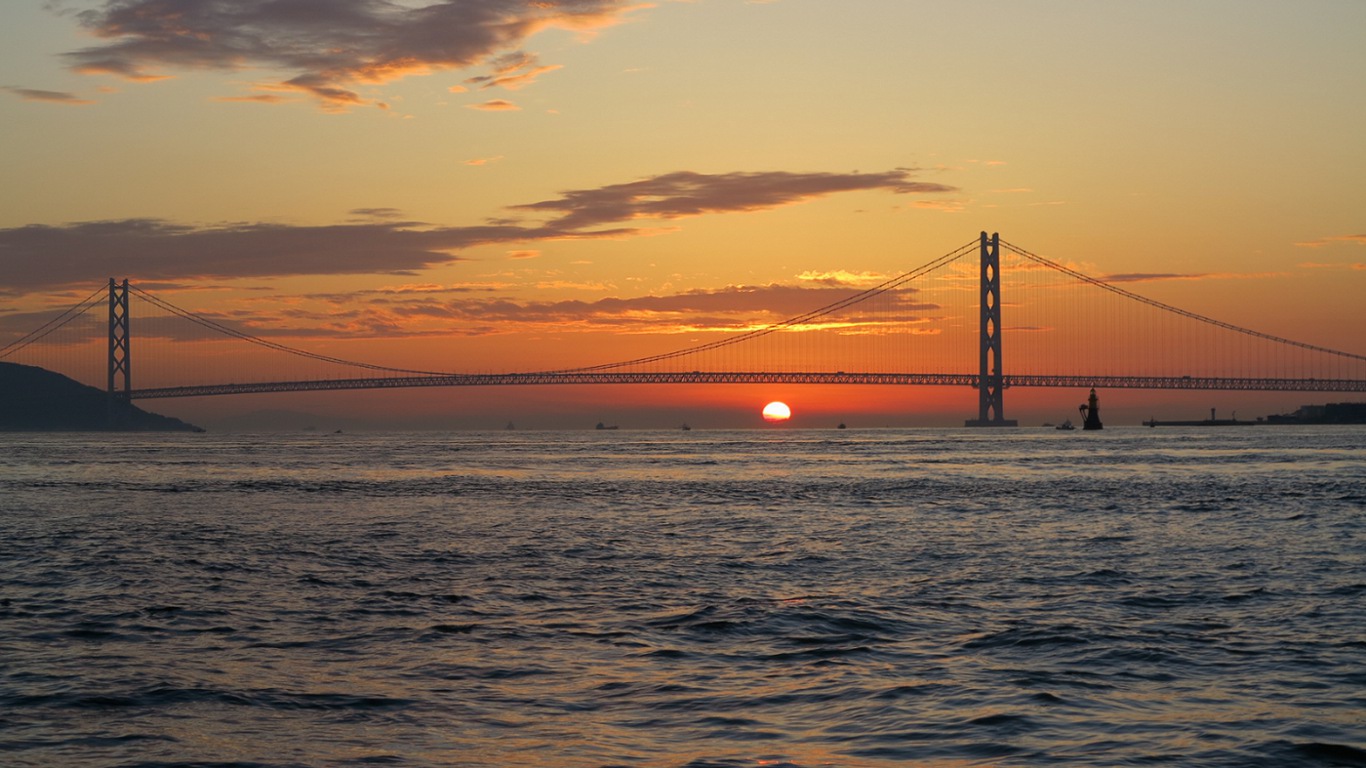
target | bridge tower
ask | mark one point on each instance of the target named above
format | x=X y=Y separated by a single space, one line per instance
x=120 y=387
x=990 y=389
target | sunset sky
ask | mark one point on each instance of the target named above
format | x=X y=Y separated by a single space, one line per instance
x=509 y=184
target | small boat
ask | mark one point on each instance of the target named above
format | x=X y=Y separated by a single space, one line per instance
x=1066 y=425
x=687 y=428
x=604 y=426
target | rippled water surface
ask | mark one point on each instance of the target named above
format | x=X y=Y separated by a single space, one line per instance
x=777 y=598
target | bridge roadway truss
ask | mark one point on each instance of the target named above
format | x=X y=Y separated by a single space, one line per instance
x=701 y=377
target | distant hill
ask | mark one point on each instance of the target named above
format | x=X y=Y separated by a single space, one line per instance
x=37 y=400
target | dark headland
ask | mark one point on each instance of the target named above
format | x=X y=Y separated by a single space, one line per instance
x=37 y=400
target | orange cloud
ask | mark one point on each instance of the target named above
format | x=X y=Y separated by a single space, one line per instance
x=1356 y=267
x=98 y=68
x=1322 y=241
x=730 y=309
x=944 y=206
x=418 y=310
x=842 y=278
x=329 y=47
x=513 y=71
x=496 y=105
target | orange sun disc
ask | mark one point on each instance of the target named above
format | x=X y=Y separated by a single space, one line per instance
x=777 y=411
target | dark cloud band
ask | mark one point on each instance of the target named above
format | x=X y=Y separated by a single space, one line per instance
x=376 y=241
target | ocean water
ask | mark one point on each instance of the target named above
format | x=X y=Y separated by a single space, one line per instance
x=1022 y=597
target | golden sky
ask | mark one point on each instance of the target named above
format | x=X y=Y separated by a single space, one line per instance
x=523 y=185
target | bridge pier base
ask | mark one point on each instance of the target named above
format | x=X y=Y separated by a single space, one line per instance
x=991 y=423
x=990 y=381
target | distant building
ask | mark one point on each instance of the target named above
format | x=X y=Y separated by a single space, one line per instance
x=1332 y=413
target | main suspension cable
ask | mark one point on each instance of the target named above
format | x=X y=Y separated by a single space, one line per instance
x=244 y=336
x=877 y=290
x=1177 y=310
x=73 y=312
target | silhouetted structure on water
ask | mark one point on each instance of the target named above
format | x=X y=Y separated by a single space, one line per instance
x=1090 y=412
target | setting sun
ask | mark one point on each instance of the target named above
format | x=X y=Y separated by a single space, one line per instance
x=777 y=411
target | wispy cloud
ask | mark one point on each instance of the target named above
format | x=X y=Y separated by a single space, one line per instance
x=728 y=309
x=331 y=48
x=376 y=213
x=512 y=71
x=1324 y=241
x=55 y=97
x=258 y=98
x=1352 y=267
x=495 y=105
x=1149 y=277
x=1153 y=277
x=377 y=240
x=944 y=206
x=418 y=310
x=390 y=293
x=687 y=193
x=841 y=278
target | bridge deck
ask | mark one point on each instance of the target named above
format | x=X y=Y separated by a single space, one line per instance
x=704 y=377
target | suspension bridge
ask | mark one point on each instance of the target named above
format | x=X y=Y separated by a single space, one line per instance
x=941 y=324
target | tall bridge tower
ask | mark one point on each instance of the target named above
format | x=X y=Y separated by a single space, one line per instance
x=990 y=390
x=120 y=387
